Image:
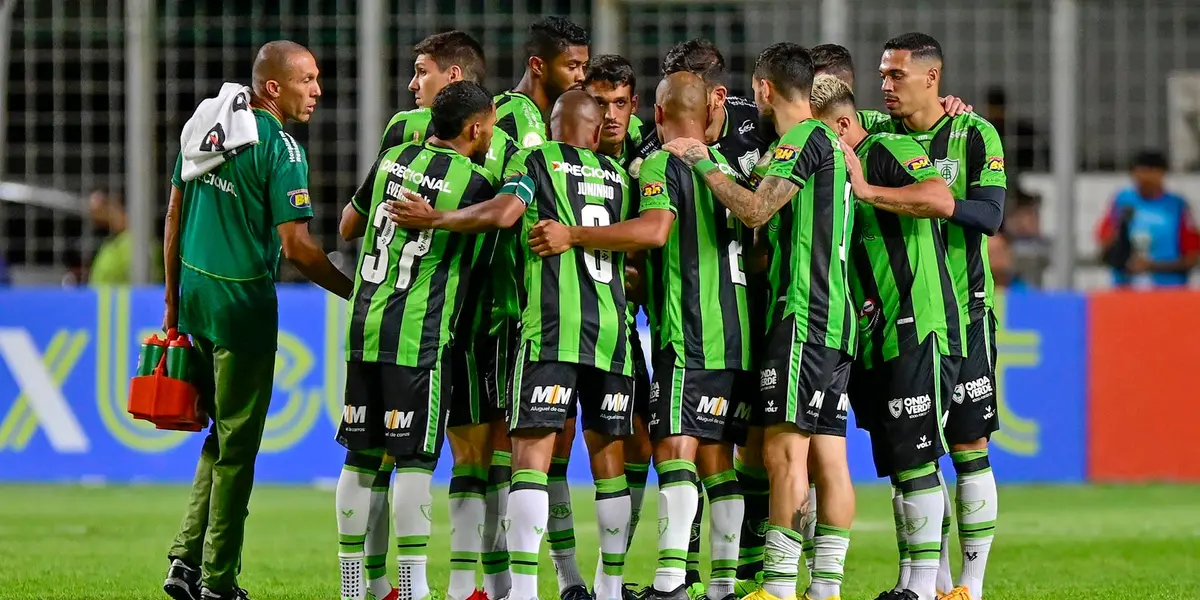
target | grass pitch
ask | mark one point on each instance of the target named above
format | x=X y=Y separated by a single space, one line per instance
x=1060 y=543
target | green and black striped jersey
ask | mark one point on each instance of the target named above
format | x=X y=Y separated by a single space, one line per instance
x=696 y=282
x=898 y=270
x=410 y=285
x=967 y=153
x=519 y=116
x=573 y=305
x=416 y=126
x=809 y=237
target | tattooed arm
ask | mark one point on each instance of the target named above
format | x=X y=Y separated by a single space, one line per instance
x=753 y=208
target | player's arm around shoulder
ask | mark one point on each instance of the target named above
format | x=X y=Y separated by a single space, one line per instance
x=753 y=208
x=499 y=212
x=899 y=178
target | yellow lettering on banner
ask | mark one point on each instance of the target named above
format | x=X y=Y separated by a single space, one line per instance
x=1017 y=349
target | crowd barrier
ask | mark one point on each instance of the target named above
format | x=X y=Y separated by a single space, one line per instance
x=68 y=356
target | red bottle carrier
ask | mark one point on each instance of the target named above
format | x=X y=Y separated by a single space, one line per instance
x=170 y=403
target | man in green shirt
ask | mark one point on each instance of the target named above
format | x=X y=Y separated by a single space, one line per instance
x=113 y=263
x=224 y=236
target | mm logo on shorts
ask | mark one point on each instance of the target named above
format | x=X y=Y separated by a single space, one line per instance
x=614 y=402
x=914 y=406
x=716 y=406
x=354 y=415
x=551 y=394
x=397 y=419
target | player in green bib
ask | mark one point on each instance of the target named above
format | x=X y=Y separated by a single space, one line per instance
x=911 y=343
x=967 y=153
x=226 y=231
x=557 y=52
x=409 y=291
x=803 y=202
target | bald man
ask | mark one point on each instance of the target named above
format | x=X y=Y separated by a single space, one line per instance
x=225 y=232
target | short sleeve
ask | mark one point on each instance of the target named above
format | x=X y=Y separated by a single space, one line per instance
x=288 y=182
x=653 y=187
x=900 y=159
x=361 y=200
x=985 y=156
x=177 y=172
x=800 y=153
x=480 y=189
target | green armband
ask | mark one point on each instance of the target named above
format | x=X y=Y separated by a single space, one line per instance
x=520 y=186
x=704 y=167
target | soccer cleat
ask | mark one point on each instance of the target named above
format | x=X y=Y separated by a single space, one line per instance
x=745 y=587
x=183 y=582
x=807 y=597
x=237 y=594
x=763 y=594
x=576 y=592
x=889 y=595
x=630 y=591
x=680 y=593
x=959 y=593
x=478 y=595
x=392 y=595
x=696 y=591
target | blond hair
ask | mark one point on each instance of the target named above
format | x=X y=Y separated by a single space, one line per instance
x=828 y=93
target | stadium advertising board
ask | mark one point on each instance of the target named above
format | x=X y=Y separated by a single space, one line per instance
x=68 y=356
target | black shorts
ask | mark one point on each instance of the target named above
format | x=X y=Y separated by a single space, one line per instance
x=700 y=403
x=472 y=361
x=546 y=390
x=973 y=409
x=803 y=384
x=900 y=403
x=398 y=409
x=641 y=376
x=498 y=380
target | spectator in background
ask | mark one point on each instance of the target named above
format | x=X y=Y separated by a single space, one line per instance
x=1023 y=147
x=1022 y=231
x=113 y=263
x=1001 y=260
x=1148 y=235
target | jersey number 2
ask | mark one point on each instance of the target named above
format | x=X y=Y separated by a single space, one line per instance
x=375 y=263
x=599 y=262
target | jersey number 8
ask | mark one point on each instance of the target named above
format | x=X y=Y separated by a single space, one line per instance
x=599 y=262
x=375 y=263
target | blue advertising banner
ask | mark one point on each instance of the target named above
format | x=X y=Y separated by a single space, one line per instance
x=68 y=356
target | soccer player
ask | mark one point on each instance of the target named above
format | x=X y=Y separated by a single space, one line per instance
x=477 y=493
x=557 y=52
x=910 y=346
x=573 y=333
x=408 y=281
x=611 y=81
x=967 y=153
x=802 y=198
x=225 y=231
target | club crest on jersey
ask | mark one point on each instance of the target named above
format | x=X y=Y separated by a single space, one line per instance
x=785 y=152
x=299 y=198
x=748 y=160
x=995 y=163
x=652 y=189
x=918 y=163
x=947 y=168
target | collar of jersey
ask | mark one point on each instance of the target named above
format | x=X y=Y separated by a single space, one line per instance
x=931 y=131
x=429 y=146
x=268 y=113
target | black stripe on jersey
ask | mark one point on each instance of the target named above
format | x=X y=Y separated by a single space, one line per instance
x=508 y=124
x=679 y=177
x=589 y=309
x=617 y=285
x=870 y=288
x=547 y=209
x=823 y=245
x=438 y=168
x=975 y=160
x=902 y=274
x=939 y=146
x=949 y=299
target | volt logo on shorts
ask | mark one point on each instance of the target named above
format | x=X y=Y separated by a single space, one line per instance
x=716 y=406
x=551 y=394
x=976 y=389
x=767 y=379
x=398 y=419
x=913 y=406
x=924 y=443
x=354 y=415
x=614 y=402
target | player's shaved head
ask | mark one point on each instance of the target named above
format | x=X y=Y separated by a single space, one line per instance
x=285 y=80
x=275 y=62
x=576 y=119
x=681 y=105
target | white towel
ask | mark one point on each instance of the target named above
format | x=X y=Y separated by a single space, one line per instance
x=218 y=129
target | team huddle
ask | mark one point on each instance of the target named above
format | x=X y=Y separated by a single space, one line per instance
x=796 y=257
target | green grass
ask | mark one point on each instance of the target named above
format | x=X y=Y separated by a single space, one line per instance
x=1060 y=543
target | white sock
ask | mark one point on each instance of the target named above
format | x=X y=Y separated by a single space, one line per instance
x=353 y=503
x=923 y=517
x=810 y=527
x=412 y=512
x=905 y=563
x=379 y=536
x=528 y=511
x=678 y=499
x=781 y=561
x=726 y=509
x=496 y=579
x=978 y=506
x=612 y=515
x=829 y=561
x=560 y=529
x=468 y=484
x=945 y=581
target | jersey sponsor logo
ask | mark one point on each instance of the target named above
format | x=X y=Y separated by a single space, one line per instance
x=398 y=419
x=551 y=394
x=995 y=163
x=354 y=415
x=654 y=391
x=532 y=139
x=216 y=181
x=976 y=389
x=918 y=163
x=652 y=189
x=767 y=379
x=748 y=160
x=913 y=406
x=785 y=152
x=412 y=176
x=947 y=168
x=746 y=127
x=214 y=140
x=293 y=148
x=716 y=406
x=299 y=198
x=594 y=190
x=742 y=412
x=614 y=403
x=241 y=101
x=587 y=171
